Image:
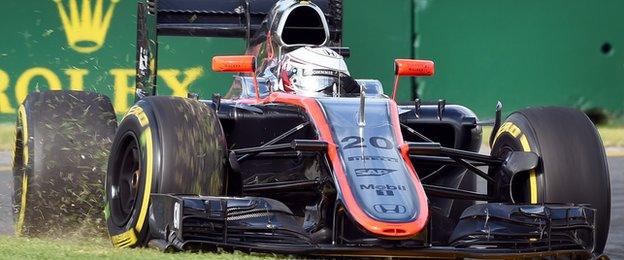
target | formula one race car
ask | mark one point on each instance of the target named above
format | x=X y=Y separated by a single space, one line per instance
x=301 y=158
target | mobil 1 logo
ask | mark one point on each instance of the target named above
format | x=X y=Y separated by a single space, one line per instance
x=383 y=190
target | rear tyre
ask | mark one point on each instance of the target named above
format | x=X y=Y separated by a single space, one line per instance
x=61 y=145
x=163 y=145
x=573 y=165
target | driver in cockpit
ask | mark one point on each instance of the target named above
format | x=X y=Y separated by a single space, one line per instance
x=312 y=71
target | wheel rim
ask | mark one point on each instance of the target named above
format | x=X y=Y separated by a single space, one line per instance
x=126 y=176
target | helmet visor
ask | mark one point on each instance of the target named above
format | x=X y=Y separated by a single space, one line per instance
x=315 y=83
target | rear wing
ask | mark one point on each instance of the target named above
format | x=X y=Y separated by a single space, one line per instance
x=226 y=18
x=207 y=18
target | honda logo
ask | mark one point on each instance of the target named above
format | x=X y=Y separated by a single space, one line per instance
x=390 y=208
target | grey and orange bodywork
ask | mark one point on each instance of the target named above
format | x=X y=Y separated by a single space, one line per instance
x=367 y=197
x=355 y=175
x=370 y=164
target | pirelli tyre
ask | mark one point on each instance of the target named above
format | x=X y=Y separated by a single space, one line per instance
x=59 y=163
x=572 y=167
x=163 y=145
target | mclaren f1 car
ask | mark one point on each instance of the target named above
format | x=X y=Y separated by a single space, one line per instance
x=301 y=158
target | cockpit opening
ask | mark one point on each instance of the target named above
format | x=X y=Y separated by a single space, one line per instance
x=304 y=25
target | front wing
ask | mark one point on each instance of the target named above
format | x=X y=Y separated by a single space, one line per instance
x=254 y=224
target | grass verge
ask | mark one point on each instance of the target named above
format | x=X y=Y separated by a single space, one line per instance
x=7 y=136
x=612 y=136
x=89 y=248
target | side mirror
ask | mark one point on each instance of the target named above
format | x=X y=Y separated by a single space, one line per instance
x=237 y=64
x=413 y=68
x=241 y=63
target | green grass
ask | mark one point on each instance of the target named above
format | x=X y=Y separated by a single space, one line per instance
x=90 y=248
x=7 y=136
x=485 y=140
x=612 y=136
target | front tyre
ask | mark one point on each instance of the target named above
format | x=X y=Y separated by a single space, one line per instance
x=163 y=145
x=573 y=165
x=61 y=146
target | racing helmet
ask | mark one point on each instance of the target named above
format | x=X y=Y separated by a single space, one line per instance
x=312 y=71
